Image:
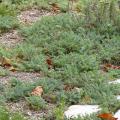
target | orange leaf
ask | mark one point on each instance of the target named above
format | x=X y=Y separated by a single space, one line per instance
x=107 y=116
x=37 y=91
x=106 y=67
x=49 y=63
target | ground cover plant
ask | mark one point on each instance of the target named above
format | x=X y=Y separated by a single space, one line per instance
x=77 y=53
x=7 y=18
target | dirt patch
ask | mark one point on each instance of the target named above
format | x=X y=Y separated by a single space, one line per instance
x=23 y=108
x=23 y=76
x=32 y=15
x=10 y=39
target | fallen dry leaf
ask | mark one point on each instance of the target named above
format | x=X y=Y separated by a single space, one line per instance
x=106 y=67
x=68 y=87
x=12 y=69
x=5 y=62
x=38 y=91
x=55 y=7
x=107 y=116
x=49 y=63
x=103 y=68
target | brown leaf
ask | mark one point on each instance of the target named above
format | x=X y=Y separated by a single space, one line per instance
x=55 y=7
x=68 y=87
x=12 y=69
x=103 y=68
x=38 y=91
x=5 y=62
x=106 y=67
x=49 y=63
x=107 y=116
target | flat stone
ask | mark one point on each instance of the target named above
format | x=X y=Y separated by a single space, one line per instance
x=118 y=97
x=115 y=81
x=117 y=115
x=81 y=110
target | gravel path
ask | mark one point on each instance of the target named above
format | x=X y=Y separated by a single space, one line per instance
x=23 y=107
x=32 y=15
x=11 y=39
x=23 y=76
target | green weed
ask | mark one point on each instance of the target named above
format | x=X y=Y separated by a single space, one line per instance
x=36 y=102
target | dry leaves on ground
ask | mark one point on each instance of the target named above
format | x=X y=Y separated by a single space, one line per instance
x=49 y=62
x=6 y=63
x=38 y=91
x=106 y=67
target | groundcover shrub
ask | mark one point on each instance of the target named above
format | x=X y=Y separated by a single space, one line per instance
x=7 y=18
x=77 y=46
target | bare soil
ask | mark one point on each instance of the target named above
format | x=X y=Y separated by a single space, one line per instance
x=32 y=15
x=11 y=39
x=27 y=17
x=23 y=76
x=22 y=107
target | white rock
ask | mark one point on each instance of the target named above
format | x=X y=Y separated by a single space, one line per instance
x=81 y=110
x=115 y=82
x=118 y=97
x=117 y=115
